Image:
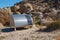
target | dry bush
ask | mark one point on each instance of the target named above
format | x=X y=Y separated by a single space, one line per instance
x=30 y=6
x=4 y=15
x=54 y=25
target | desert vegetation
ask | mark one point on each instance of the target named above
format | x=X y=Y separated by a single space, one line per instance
x=45 y=15
x=40 y=10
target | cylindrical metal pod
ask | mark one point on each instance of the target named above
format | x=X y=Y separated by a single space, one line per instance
x=20 y=20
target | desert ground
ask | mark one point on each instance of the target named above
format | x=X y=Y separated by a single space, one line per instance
x=30 y=34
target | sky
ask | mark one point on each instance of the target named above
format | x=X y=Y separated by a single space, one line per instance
x=8 y=3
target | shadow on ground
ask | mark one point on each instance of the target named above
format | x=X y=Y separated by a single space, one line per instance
x=48 y=30
x=12 y=29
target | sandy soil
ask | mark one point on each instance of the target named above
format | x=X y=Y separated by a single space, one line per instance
x=29 y=34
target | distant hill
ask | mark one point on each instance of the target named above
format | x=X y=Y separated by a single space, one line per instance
x=36 y=8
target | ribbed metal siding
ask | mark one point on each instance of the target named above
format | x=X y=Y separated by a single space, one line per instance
x=18 y=20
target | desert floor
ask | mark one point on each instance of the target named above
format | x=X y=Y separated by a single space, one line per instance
x=30 y=34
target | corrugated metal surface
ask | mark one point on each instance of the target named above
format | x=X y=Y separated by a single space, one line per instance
x=18 y=20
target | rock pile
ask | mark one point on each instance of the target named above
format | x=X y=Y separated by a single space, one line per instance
x=38 y=9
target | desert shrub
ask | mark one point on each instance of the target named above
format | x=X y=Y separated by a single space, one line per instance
x=54 y=25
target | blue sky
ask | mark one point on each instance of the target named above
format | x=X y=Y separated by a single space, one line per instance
x=8 y=3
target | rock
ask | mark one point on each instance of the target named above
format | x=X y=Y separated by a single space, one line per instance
x=1 y=25
x=29 y=7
